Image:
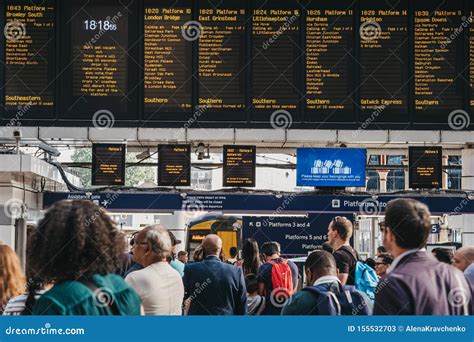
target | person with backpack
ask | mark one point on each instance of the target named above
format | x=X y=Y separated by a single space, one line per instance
x=277 y=277
x=325 y=295
x=352 y=271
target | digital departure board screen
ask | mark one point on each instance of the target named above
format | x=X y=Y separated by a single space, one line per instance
x=222 y=55
x=98 y=56
x=108 y=164
x=470 y=20
x=174 y=165
x=30 y=58
x=329 y=63
x=276 y=57
x=384 y=72
x=425 y=167
x=309 y=64
x=167 y=57
x=239 y=166
x=438 y=64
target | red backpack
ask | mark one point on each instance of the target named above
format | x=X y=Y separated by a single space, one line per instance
x=282 y=281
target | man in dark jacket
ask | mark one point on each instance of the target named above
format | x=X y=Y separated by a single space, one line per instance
x=416 y=283
x=213 y=287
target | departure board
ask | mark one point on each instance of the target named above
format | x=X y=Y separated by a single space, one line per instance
x=239 y=166
x=471 y=56
x=329 y=61
x=276 y=56
x=99 y=70
x=437 y=63
x=30 y=58
x=167 y=56
x=306 y=64
x=222 y=55
x=425 y=167
x=108 y=164
x=174 y=165
x=384 y=69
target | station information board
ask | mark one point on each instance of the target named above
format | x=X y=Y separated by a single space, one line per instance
x=329 y=65
x=174 y=165
x=239 y=166
x=108 y=164
x=29 y=56
x=425 y=167
x=276 y=56
x=167 y=57
x=221 y=59
x=437 y=62
x=384 y=46
x=235 y=63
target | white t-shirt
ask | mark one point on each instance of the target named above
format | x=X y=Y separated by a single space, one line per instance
x=160 y=288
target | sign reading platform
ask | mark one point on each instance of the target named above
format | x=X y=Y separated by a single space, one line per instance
x=239 y=165
x=425 y=167
x=174 y=165
x=108 y=164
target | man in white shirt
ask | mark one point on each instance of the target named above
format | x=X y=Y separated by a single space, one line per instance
x=159 y=286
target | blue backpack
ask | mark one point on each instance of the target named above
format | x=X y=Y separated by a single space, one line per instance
x=348 y=302
x=365 y=279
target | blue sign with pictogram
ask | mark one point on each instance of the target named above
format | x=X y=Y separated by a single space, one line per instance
x=331 y=167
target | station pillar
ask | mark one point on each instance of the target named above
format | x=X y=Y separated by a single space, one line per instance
x=467 y=182
x=383 y=175
x=445 y=174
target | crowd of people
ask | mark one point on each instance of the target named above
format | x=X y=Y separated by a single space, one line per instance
x=77 y=264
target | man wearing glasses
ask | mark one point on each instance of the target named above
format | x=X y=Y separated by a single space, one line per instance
x=416 y=283
x=382 y=263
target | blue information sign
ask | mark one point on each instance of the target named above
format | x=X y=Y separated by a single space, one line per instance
x=296 y=235
x=331 y=167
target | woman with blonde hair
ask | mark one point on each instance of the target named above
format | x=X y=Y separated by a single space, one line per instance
x=12 y=278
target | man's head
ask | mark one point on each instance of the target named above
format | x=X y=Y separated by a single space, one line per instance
x=382 y=263
x=319 y=264
x=339 y=231
x=251 y=283
x=381 y=250
x=174 y=241
x=183 y=256
x=152 y=244
x=464 y=257
x=407 y=225
x=445 y=255
x=270 y=250
x=212 y=245
x=233 y=251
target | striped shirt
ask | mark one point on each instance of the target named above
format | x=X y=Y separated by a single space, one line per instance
x=16 y=305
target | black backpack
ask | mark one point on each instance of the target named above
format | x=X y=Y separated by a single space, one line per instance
x=348 y=301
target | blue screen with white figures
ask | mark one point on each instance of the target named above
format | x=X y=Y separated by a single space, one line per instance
x=331 y=167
